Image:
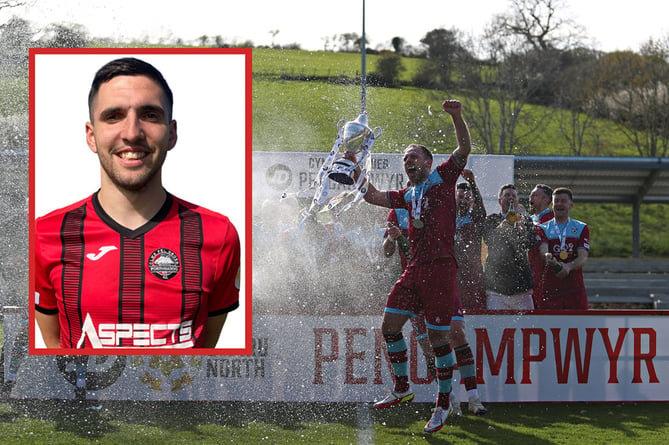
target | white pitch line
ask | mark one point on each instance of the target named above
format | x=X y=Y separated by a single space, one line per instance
x=365 y=425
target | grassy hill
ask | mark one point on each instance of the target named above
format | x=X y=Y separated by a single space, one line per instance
x=302 y=115
x=299 y=96
x=314 y=89
x=314 y=64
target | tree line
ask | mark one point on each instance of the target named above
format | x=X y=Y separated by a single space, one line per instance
x=530 y=55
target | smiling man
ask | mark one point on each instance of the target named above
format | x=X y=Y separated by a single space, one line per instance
x=428 y=284
x=509 y=235
x=564 y=246
x=131 y=265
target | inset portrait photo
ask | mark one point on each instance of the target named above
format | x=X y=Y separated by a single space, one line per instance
x=140 y=189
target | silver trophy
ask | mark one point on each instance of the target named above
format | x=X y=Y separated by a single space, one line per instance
x=356 y=137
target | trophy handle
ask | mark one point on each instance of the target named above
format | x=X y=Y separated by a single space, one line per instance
x=379 y=130
x=340 y=125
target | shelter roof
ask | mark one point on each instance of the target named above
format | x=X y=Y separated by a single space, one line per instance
x=597 y=179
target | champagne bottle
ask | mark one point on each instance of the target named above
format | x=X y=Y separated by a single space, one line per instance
x=556 y=267
x=511 y=213
x=403 y=244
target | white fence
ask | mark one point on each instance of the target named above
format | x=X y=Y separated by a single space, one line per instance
x=587 y=356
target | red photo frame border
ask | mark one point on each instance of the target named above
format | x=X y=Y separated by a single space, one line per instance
x=248 y=169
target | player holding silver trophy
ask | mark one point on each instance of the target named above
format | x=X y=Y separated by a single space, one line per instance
x=429 y=283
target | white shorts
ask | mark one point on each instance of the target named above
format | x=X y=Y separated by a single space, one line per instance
x=497 y=302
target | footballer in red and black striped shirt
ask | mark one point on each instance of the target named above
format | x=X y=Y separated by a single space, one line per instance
x=133 y=266
x=154 y=286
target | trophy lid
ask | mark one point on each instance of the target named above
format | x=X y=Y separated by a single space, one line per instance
x=362 y=119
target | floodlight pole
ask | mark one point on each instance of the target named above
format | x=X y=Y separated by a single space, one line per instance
x=363 y=92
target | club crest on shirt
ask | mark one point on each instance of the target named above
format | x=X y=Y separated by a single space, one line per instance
x=163 y=264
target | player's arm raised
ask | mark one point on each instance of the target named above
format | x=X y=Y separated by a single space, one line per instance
x=461 y=153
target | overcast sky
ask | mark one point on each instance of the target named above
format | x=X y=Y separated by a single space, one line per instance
x=611 y=24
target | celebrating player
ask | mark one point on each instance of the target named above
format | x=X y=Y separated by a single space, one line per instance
x=564 y=245
x=132 y=265
x=469 y=221
x=429 y=282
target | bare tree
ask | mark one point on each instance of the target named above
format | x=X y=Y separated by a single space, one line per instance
x=274 y=32
x=327 y=41
x=11 y=3
x=522 y=61
x=502 y=85
x=541 y=24
x=633 y=91
x=576 y=109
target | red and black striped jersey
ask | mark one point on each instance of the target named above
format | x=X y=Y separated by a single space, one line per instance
x=154 y=286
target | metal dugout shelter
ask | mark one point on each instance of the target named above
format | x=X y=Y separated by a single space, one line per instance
x=626 y=180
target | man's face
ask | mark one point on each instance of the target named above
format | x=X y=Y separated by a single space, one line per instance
x=562 y=205
x=131 y=132
x=463 y=200
x=538 y=201
x=416 y=165
x=507 y=196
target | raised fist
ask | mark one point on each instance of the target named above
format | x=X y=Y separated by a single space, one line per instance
x=452 y=106
x=468 y=174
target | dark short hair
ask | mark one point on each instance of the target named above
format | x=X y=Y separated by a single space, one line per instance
x=426 y=151
x=504 y=187
x=463 y=186
x=128 y=66
x=564 y=190
x=548 y=191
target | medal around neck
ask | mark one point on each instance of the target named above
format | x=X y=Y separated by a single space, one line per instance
x=417 y=192
x=564 y=255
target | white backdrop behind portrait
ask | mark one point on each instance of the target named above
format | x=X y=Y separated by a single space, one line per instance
x=206 y=167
